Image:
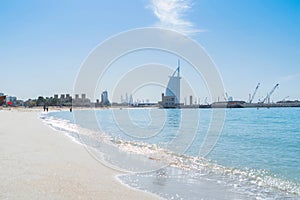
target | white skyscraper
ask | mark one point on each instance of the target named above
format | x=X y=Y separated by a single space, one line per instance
x=173 y=88
x=172 y=97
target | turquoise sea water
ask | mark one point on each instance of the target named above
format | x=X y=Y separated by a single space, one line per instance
x=256 y=155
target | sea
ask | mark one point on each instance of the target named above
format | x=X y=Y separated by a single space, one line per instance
x=193 y=153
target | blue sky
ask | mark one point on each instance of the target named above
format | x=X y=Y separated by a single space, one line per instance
x=43 y=43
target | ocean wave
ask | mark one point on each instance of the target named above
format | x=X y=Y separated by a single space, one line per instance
x=257 y=180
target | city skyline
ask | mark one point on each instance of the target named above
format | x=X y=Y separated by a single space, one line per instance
x=45 y=43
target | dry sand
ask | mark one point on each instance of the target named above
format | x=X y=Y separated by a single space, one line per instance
x=37 y=162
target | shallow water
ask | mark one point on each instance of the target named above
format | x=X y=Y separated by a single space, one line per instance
x=255 y=156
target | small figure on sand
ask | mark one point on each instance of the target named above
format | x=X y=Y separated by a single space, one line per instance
x=71 y=109
x=45 y=107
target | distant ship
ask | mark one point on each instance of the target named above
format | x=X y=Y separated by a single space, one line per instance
x=2 y=99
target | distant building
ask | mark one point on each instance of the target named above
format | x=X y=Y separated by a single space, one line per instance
x=64 y=100
x=126 y=98
x=173 y=88
x=104 y=99
x=131 y=100
x=167 y=101
x=83 y=101
x=172 y=97
x=20 y=103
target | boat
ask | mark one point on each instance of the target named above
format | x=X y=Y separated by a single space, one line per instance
x=2 y=99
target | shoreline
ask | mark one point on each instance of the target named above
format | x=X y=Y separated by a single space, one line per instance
x=38 y=162
x=140 y=184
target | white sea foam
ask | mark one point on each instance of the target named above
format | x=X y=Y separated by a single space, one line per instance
x=256 y=180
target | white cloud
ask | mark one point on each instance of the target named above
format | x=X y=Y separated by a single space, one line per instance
x=171 y=14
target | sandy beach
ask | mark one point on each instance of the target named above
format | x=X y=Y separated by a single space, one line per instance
x=37 y=162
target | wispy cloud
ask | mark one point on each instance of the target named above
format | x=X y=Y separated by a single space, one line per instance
x=172 y=15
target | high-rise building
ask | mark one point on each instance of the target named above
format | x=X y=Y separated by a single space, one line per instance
x=104 y=98
x=172 y=97
x=173 y=88
x=130 y=100
x=126 y=98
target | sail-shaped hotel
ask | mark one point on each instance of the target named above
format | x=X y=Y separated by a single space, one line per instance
x=172 y=97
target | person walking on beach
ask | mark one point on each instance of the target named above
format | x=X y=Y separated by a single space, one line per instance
x=44 y=107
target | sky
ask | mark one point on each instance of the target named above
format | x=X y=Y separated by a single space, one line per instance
x=44 y=43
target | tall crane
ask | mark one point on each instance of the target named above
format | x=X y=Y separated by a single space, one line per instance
x=206 y=101
x=267 y=98
x=226 y=96
x=254 y=93
x=285 y=98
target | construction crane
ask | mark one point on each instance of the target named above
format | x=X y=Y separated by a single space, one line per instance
x=206 y=101
x=267 y=98
x=226 y=96
x=284 y=99
x=254 y=93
